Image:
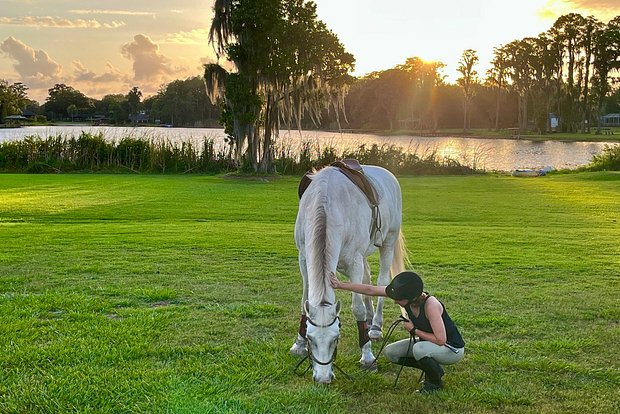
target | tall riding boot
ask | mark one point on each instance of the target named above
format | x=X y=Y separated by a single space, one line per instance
x=432 y=374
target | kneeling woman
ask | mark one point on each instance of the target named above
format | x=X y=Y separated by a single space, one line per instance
x=440 y=341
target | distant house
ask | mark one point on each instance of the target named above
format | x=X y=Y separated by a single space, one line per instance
x=28 y=113
x=139 y=118
x=14 y=120
x=98 y=119
x=610 y=120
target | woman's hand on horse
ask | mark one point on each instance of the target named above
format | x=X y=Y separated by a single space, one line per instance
x=334 y=281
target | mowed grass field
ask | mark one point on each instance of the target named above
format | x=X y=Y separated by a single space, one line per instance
x=180 y=294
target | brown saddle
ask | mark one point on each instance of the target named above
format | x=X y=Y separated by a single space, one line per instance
x=353 y=171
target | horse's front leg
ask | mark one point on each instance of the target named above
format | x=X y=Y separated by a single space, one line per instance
x=386 y=255
x=367 y=361
x=300 y=346
x=374 y=331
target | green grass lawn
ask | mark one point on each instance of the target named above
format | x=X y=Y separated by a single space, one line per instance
x=180 y=294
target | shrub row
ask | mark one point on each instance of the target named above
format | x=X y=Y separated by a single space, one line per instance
x=607 y=160
x=93 y=153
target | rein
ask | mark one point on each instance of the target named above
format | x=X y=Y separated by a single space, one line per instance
x=389 y=333
x=311 y=359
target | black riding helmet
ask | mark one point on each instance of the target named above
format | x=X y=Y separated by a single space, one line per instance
x=406 y=285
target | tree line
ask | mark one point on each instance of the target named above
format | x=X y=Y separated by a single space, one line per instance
x=178 y=103
x=570 y=71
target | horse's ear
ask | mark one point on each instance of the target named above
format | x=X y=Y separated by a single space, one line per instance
x=338 y=308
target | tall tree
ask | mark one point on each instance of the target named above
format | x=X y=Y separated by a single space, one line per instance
x=61 y=96
x=72 y=111
x=606 y=60
x=591 y=30
x=497 y=78
x=392 y=93
x=134 y=97
x=287 y=64
x=424 y=78
x=569 y=31
x=521 y=57
x=468 y=82
x=541 y=60
x=13 y=98
x=115 y=107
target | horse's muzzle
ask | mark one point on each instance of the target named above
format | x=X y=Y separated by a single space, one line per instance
x=324 y=379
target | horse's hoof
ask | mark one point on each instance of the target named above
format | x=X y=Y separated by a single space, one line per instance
x=369 y=366
x=375 y=334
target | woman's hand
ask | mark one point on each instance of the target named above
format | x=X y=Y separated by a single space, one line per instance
x=408 y=325
x=334 y=281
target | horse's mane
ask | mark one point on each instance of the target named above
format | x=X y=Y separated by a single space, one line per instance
x=318 y=239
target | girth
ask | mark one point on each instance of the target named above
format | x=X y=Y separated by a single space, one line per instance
x=353 y=171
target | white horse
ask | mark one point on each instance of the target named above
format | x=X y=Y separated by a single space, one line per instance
x=333 y=233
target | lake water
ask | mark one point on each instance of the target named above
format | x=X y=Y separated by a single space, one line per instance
x=489 y=154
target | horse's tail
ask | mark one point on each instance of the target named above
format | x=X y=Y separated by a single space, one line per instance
x=400 y=263
x=401 y=257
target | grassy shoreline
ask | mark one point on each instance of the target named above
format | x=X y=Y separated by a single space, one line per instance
x=480 y=133
x=176 y=293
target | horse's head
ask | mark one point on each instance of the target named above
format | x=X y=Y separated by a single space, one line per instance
x=323 y=331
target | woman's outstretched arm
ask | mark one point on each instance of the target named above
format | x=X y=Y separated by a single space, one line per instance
x=369 y=290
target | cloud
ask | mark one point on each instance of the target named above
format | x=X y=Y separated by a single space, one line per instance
x=148 y=63
x=113 y=12
x=97 y=85
x=82 y=74
x=604 y=10
x=603 y=5
x=30 y=63
x=194 y=37
x=59 y=22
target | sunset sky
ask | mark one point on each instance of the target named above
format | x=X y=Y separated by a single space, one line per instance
x=109 y=46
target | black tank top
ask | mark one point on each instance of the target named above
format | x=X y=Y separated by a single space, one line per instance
x=422 y=323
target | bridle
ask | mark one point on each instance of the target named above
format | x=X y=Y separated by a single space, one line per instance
x=312 y=357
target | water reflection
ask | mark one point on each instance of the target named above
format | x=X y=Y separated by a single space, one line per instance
x=490 y=154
